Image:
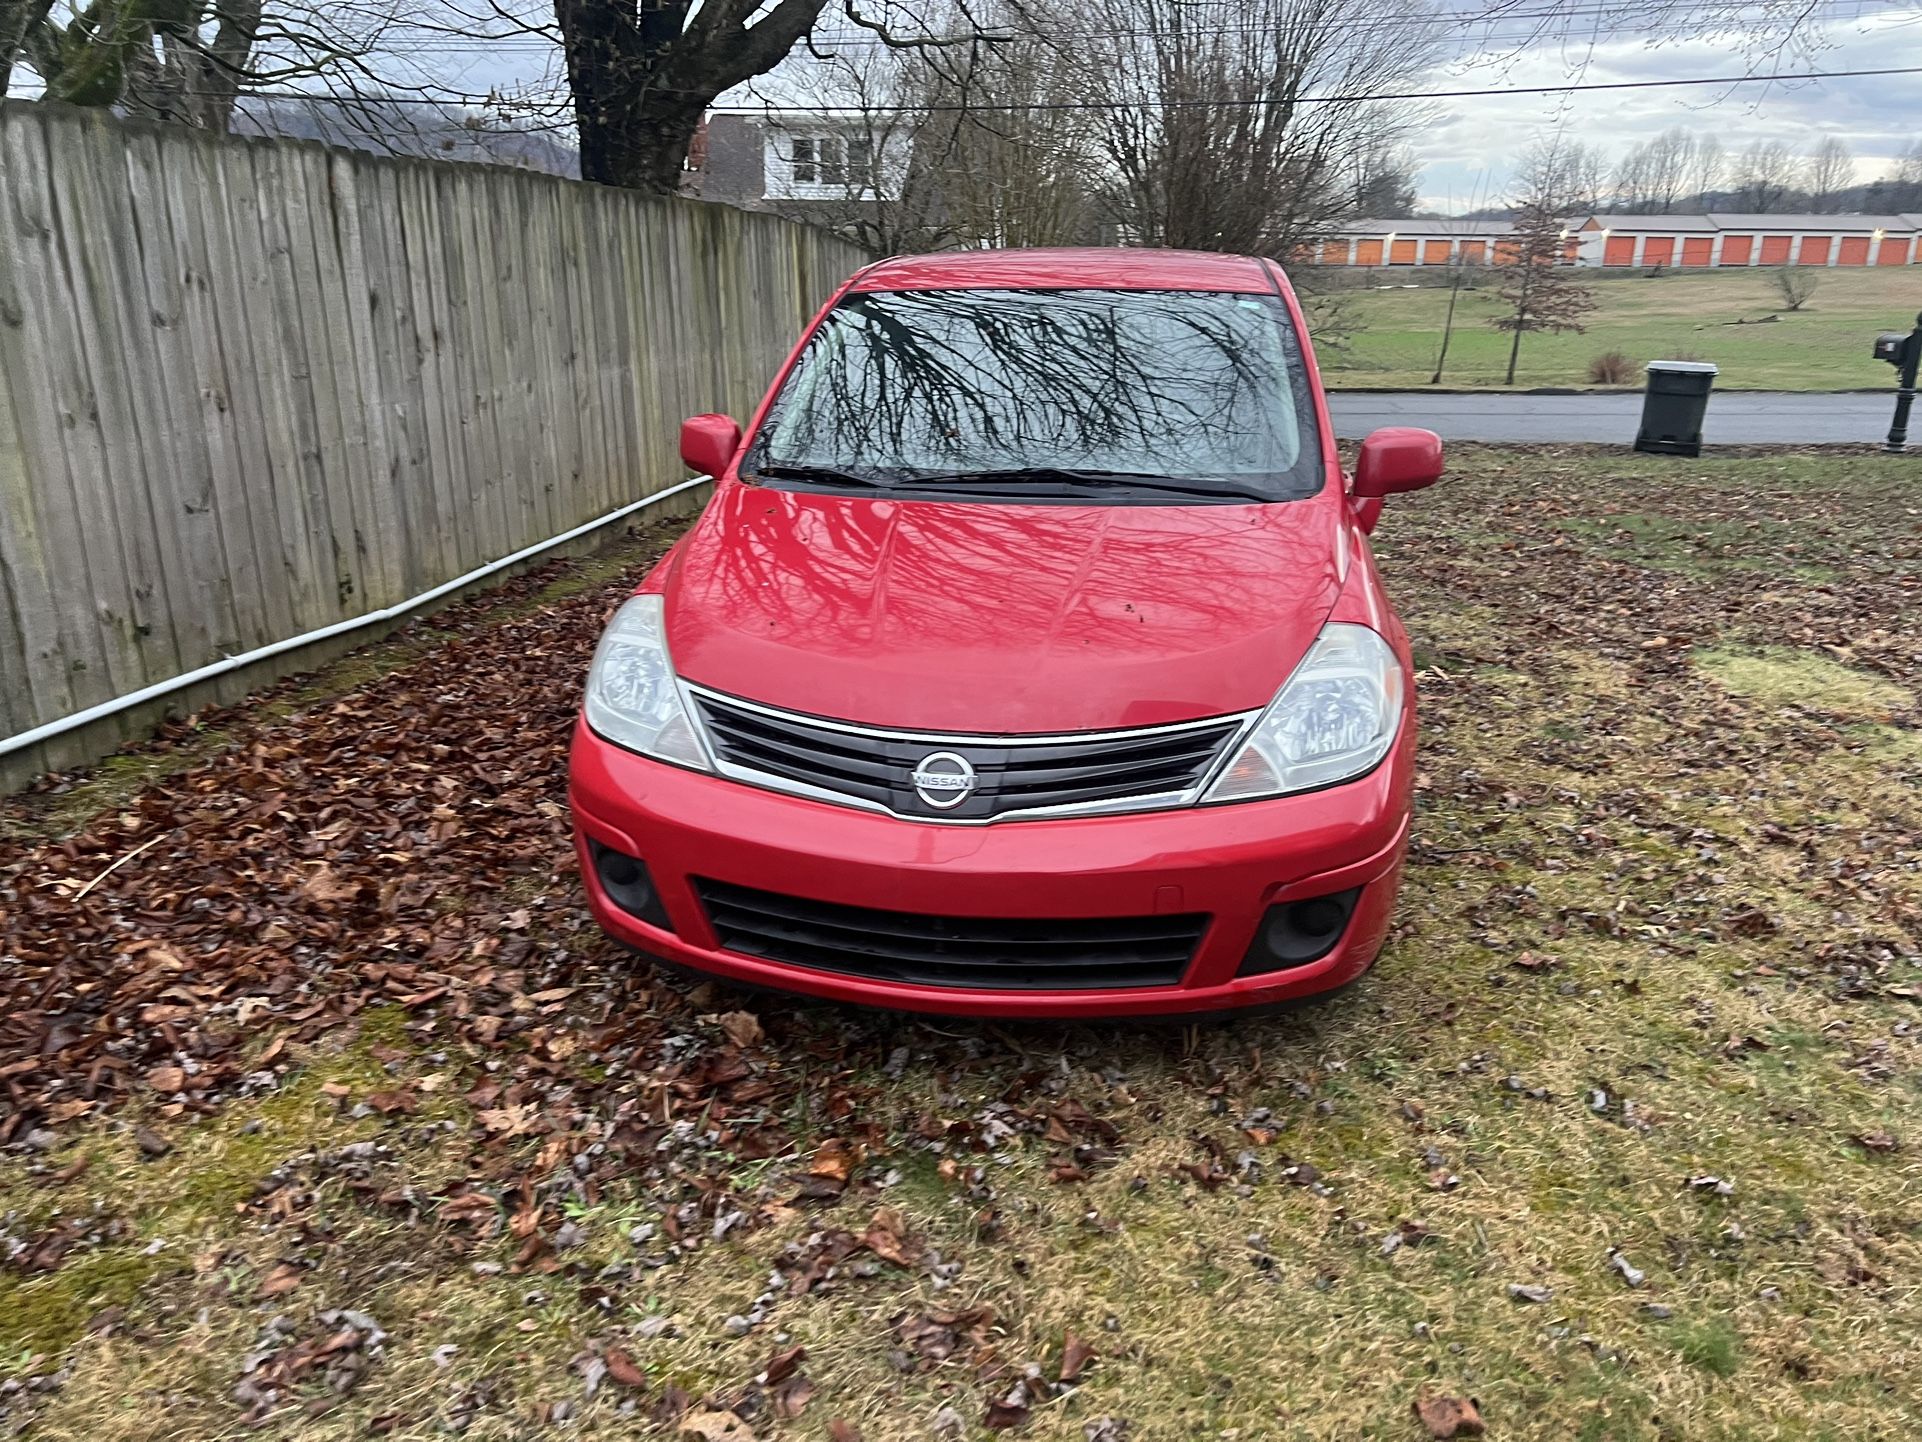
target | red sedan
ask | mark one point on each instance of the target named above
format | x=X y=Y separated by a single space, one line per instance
x=1030 y=659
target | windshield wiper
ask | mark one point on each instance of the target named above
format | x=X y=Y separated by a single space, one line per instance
x=1038 y=476
x=820 y=476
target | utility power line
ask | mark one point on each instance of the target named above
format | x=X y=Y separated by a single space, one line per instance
x=1238 y=102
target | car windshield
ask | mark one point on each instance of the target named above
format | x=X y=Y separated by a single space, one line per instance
x=1089 y=395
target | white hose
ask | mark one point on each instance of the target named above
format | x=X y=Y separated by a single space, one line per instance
x=371 y=618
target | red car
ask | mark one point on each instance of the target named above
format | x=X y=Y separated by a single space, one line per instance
x=1029 y=660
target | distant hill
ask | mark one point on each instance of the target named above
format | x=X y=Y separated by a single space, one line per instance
x=423 y=131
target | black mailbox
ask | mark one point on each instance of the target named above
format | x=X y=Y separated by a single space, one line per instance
x=1889 y=346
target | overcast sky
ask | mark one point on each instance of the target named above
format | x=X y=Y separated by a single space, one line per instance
x=1466 y=154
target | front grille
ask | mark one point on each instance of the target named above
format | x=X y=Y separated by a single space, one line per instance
x=1012 y=773
x=1017 y=954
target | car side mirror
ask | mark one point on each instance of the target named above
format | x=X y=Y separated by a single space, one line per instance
x=709 y=442
x=1397 y=458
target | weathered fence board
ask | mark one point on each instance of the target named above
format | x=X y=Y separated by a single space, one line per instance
x=253 y=388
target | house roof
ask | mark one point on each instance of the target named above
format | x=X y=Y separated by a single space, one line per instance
x=1722 y=221
x=1066 y=268
x=1415 y=228
x=1666 y=224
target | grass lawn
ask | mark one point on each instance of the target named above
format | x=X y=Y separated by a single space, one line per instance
x=329 y=1115
x=1393 y=335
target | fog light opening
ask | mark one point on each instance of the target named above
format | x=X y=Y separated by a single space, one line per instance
x=1298 y=932
x=625 y=880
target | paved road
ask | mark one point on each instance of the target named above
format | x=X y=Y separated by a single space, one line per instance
x=1734 y=417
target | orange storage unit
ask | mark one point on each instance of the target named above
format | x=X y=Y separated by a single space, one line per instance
x=1658 y=250
x=1854 y=250
x=1619 y=250
x=1474 y=252
x=1775 y=249
x=1401 y=252
x=1814 y=251
x=1334 y=252
x=1894 y=251
x=1735 y=249
x=1698 y=249
x=1368 y=252
x=1434 y=252
x=1506 y=251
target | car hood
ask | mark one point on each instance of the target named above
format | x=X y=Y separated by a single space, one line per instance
x=997 y=618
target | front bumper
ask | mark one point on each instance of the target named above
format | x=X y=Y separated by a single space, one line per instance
x=1231 y=862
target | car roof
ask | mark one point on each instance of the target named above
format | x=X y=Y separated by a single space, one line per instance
x=1066 y=269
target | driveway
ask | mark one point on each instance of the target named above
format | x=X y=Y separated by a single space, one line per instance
x=1734 y=417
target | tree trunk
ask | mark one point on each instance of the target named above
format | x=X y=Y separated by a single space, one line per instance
x=1521 y=316
x=1448 y=325
x=17 y=17
x=642 y=75
x=636 y=142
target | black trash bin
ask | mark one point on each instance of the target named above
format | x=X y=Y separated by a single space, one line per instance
x=1673 y=407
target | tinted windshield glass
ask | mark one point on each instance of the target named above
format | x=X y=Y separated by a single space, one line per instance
x=1123 y=394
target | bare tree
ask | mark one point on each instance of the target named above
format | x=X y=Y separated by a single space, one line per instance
x=1541 y=291
x=1385 y=181
x=1830 y=171
x=1709 y=164
x=1203 y=123
x=18 y=20
x=1902 y=185
x=1764 y=176
x=1587 y=177
x=1027 y=174
x=1656 y=174
x=1795 y=284
x=975 y=145
x=189 y=61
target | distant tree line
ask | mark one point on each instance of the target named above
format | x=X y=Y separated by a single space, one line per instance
x=1681 y=171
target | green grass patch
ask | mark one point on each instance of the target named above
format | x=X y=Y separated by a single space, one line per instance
x=1781 y=676
x=1733 y=318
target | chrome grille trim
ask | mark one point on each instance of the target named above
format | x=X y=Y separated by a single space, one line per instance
x=1234 y=729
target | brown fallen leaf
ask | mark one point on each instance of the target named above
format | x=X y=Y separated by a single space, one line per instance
x=782 y=1364
x=842 y=1430
x=621 y=1368
x=1075 y=1356
x=277 y=1283
x=1878 y=1142
x=791 y=1398
x=1446 y=1416
x=716 y=1427
x=834 y=1160
x=517 y=1120
x=151 y=1143
x=167 y=1079
x=1005 y=1414
x=887 y=1237
x=325 y=887
x=73 y=1169
x=743 y=1028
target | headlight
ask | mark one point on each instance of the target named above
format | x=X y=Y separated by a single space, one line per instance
x=632 y=698
x=1335 y=718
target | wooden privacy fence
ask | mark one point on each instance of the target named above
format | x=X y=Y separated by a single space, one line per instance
x=249 y=389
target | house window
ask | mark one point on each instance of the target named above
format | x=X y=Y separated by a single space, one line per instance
x=837 y=162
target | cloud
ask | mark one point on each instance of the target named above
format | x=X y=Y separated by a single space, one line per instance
x=1468 y=151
